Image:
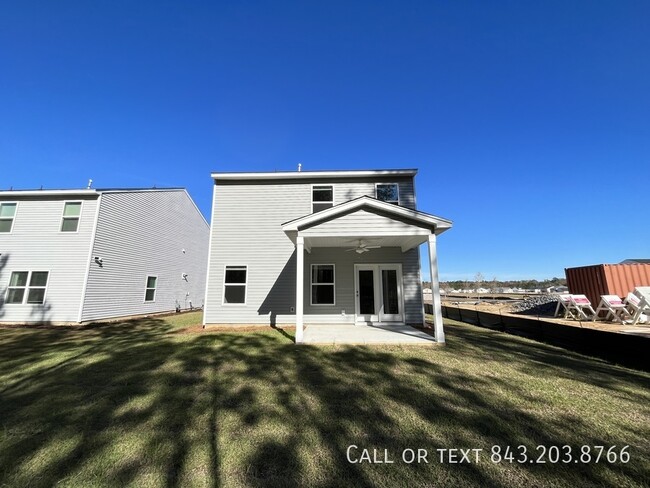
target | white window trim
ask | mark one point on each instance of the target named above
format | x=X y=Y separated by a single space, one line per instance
x=155 y=289
x=81 y=210
x=312 y=194
x=389 y=183
x=245 y=285
x=13 y=219
x=311 y=285
x=27 y=287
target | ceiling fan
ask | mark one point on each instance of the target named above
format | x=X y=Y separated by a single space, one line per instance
x=362 y=247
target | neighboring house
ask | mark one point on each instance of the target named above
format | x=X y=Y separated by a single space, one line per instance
x=319 y=247
x=71 y=256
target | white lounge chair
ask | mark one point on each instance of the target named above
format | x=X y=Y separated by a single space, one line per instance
x=563 y=302
x=638 y=304
x=615 y=308
x=578 y=304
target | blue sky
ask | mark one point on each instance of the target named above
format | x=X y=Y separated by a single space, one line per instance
x=529 y=121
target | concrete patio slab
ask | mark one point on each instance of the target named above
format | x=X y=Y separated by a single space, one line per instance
x=366 y=334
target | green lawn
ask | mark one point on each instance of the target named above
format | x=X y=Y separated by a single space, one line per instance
x=143 y=404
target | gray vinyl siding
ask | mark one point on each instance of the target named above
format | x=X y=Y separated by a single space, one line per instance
x=247 y=231
x=247 y=220
x=142 y=234
x=36 y=243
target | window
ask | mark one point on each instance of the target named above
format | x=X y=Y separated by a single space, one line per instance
x=322 y=197
x=7 y=214
x=27 y=287
x=322 y=284
x=71 y=213
x=387 y=192
x=234 y=285
x=150 y=290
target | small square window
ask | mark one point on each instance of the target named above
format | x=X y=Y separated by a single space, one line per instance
x=322 y=197
x=15 y=295
x=36 y=295
x=234 y=285
x=7 y=214
x=387 y=192
x=71 y=213
x=38 y=278
x=150 y=289
x=18 y=278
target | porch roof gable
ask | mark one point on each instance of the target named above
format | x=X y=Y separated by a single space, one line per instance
x=437 y=225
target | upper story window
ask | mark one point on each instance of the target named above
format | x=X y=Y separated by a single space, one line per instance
x=387 y=192
x=27 y=287
x=71 y=214
x=7 y=214
x=322 y=197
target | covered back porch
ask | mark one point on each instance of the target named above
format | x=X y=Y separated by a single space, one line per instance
x=358 y=265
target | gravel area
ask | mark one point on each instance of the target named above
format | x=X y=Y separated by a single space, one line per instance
x=536 y=305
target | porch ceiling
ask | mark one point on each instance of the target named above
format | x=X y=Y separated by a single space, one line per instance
x=349 y=241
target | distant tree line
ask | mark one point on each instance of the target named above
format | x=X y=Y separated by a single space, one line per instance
x=494 y=283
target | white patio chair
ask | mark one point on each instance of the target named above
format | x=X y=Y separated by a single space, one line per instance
x=614 y=306
x=578 y=304
x=563 y=303
x=638 y=304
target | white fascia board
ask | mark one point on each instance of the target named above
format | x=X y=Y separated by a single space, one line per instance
x=438 y=223
x=47 y=193
x=138 y=190
x=284 y=175
x=84 y=192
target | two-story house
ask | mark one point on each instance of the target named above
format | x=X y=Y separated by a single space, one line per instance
x=71 y=256
x=319 y=247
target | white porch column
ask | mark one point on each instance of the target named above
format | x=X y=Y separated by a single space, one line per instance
x=300 y=287
x=435 y=290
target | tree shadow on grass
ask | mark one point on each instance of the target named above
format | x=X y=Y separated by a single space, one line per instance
x=132 y=403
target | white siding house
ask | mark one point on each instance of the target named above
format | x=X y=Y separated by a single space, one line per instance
x=72 y=256
x=317 y=248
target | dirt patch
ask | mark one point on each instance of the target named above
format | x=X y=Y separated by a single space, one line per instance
x=482 y=306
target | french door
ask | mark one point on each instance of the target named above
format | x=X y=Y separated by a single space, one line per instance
x=378 y=292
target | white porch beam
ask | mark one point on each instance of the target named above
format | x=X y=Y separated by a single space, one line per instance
x=413 y=242
x=300 y=276
x=439 y=332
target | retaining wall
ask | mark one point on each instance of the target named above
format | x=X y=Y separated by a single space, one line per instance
x=625 y=349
